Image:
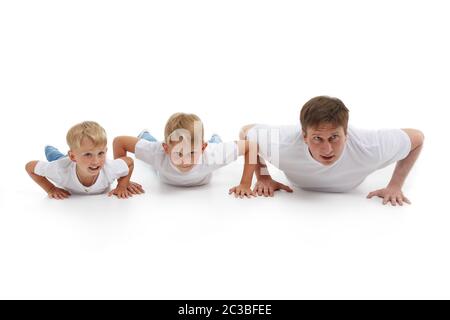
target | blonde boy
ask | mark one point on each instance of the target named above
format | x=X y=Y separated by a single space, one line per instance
x=184 y=158
x=85 y=170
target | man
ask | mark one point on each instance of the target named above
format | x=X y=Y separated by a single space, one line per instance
x=327 y=155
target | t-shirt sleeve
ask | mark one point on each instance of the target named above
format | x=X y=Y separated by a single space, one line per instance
x=221 y=154
x=394 y=145
x=266 y=137
x=147 y=151
x=50 y=170
x=116 y=169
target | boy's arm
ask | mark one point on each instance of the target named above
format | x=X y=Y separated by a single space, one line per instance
x=124 y=144
x=52 y=191
x=393 y=192
x=124 y=189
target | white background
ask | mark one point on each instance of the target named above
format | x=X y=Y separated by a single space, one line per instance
x=130 y=64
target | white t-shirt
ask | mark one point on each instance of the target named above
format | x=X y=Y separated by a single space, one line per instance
x=215 y=156
x=365 y=152
x=63 y=173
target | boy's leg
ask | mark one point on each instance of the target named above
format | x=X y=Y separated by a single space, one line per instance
x=52 y=154
x=215 y=139
x=147 y=136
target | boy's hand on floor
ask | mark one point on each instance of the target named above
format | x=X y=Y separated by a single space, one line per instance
x=121 y=192
x=242 y=191
x=58 y=193
x=268 y=186
x=394 y=195
x=135 y=188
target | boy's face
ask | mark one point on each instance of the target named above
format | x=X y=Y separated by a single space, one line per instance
x=184 y=156
x=89 y=158
x=326 y=142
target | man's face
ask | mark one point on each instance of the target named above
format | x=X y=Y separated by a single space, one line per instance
x=184 y=156
x=90 y=158
x=326 y=142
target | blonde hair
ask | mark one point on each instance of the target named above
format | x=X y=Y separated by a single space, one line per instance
x=86 y=129
x=180 y=124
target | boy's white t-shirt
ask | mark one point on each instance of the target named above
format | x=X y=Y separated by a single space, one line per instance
x=365 y=152
x=63 y=173
x=215 y=156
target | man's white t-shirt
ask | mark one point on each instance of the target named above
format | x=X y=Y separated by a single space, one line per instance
x=215 y=156
x=365 y=152
x=63 y=173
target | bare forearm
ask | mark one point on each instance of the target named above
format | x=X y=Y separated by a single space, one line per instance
x=124 y=181
x=250 y=150
x=261 y=171
x=249 y=169
x=403 y=168
x=119 y=149
x=43 y=182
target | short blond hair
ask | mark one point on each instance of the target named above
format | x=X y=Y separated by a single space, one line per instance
x=188 y=122
x=86 y=129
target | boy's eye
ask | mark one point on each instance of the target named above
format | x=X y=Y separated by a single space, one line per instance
x=317 y=139
x=101 y=153
x=88 y=154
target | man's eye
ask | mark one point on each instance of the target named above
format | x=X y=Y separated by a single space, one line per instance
x=317 y=138
x=88 y=154
x=101 y=153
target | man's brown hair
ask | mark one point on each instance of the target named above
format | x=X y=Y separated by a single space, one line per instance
x=324 y=109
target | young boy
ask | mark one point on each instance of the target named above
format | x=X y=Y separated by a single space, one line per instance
x=85 y=170
x=184 y=158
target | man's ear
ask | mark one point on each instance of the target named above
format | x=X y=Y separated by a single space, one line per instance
x=204 y=145
x=71 y=156
x=165 y=147
x=304 y=136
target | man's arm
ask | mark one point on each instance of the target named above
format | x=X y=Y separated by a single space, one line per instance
x=52 y=191
x=255 y=164
x=393 y=192
x=250 y=151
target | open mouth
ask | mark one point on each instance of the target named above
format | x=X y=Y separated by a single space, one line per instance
x=327 y=158
x=94 y=168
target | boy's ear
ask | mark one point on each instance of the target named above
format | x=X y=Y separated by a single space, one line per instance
x=204 y=145
x=71 y=156
x=165 y=147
